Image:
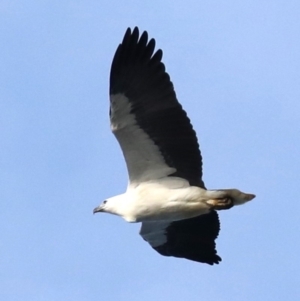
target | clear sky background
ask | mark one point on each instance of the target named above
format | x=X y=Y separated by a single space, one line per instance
x=236 y=70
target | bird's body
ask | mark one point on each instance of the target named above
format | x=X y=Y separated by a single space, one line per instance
x=168 y=199
x=171 y=199
x=165 y=191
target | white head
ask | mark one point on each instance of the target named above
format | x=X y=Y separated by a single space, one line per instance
x=114 y=205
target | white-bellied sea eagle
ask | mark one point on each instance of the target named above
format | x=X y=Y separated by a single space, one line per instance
x=165 y=191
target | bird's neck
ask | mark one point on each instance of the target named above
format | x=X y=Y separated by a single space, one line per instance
x=120 y=205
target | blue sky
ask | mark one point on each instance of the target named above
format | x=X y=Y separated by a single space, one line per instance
x=236 y=70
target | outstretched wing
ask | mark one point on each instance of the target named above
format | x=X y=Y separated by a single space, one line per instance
x=154 y=132
x=192 y=238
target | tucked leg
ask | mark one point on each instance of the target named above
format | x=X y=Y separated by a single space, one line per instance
x=221 y=203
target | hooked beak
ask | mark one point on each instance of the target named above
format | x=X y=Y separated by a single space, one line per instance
x=98 y=209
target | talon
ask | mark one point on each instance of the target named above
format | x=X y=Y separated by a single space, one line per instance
x=221 y=204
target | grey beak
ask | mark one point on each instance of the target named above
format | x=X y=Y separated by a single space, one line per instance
x=98 y=209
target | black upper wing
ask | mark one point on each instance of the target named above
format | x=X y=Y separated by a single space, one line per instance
x=138 y=73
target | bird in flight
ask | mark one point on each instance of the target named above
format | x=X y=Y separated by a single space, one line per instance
x=166 y=192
